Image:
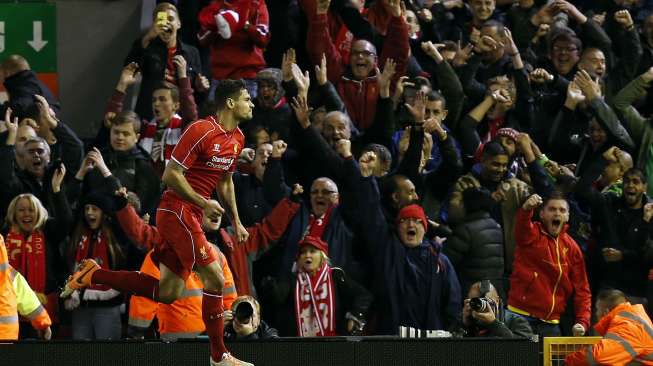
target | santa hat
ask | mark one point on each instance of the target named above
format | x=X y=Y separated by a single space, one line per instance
x=413 y=212
x=228 y=22
x=314 y=242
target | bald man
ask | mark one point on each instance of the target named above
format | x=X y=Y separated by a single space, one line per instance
x=618 y=162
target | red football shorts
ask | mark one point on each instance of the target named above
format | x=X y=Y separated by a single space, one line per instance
x=184 y=244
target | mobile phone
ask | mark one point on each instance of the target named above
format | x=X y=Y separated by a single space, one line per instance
x=161 y=18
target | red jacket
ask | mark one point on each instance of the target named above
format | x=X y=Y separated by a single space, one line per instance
x=627 y=337
x=241 y=56
x=239 y=256
x=546 y=271
x=359 y=96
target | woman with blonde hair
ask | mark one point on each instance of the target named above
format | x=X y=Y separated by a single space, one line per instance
x=32 y=240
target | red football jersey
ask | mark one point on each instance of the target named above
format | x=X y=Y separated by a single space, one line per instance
x=207 y=151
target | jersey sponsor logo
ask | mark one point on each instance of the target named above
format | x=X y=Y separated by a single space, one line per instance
x=217 y=162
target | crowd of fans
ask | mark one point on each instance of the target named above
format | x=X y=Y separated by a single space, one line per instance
x=481 y=167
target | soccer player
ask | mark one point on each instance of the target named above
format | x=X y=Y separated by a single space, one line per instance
x=203 y=160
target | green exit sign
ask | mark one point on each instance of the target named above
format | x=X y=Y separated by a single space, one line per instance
x=30 y=30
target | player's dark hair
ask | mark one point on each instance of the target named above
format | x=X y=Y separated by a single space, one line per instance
x=227 y=89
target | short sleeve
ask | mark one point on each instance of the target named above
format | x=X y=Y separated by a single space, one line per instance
x=190 y=143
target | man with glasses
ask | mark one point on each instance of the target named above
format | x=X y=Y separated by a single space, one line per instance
x=357 y=81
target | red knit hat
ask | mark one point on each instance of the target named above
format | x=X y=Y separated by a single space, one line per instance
x=314 y=242
x=508 y=132
x=413 y=211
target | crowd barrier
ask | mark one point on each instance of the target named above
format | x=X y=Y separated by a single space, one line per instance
x=346 y=351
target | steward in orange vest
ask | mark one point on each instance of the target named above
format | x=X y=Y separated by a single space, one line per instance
x=627 y=334
x=16 y=297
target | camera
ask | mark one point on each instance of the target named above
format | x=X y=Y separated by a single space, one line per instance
x=481 y=304
x=244 y=312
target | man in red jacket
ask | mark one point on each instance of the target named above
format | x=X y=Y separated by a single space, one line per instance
x=357 y=84
x=548 y=269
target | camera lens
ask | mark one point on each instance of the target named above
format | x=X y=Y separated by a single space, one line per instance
x=479 y=304
x=244 y=311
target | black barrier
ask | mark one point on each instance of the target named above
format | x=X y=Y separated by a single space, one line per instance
x=346 y=351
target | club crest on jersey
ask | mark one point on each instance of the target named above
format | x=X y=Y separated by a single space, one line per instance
x=216 y=147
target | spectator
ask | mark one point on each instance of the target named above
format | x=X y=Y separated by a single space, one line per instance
x=160 y=134
x=247 y=323
x=237 y=32
x=127 y=161
x=639 y=128
x=624 y=253
x=476 y=246
x=356 y=84
x=491 y=320
x=325 y=300
x=154 y=54
x=625 y=330
x=403 y=255
x=22 y=85
x=33 y=239
x=96 y=310
x=539 y=291
x=17 y=298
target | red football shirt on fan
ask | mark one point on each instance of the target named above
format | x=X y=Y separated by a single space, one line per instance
x=207 y=151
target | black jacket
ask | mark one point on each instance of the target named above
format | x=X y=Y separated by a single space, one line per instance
x=153 y=62
x=21 y=88
x=511 y=326
x=264 y=331
x=476 y=249
x=134 y=170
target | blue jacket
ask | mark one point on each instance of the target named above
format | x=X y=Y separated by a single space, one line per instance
x=416 y=287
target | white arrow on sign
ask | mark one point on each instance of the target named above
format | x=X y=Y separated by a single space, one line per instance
x=37 y=42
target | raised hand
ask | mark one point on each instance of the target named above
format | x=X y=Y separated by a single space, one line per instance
x=432 y=50
x=180 y=64
x=278 y=149
x=418 y=110
x=302 y=80
x=648 y=212
x=393 y=7
x=297 y=189
x=574 y=95
x=321 y=71
x=343 y=147
x=624 y=19
x=462 y=55
x=540 y=76
x=128 y=76
x=46 y=114
x=532 y=202
x=385 y=78
x=590 y=88
x=287 y=61
x=57 y=178
x=367 y=163
x=302 y=111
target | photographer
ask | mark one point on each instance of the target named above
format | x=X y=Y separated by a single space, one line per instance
x=484 y=316
x=246 y=323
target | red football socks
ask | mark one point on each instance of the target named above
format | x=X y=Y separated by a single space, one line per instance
x=131 y=282
x=213 y=320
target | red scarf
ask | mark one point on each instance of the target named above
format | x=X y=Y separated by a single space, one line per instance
x=169 y=138
x=27 y=256
x=316 y=225
x=315 y=304
x=93 y=245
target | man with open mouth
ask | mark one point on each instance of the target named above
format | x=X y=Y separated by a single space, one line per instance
x=549 y=267
x=623 y=231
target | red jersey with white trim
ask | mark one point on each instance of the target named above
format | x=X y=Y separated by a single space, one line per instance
x=207 y=151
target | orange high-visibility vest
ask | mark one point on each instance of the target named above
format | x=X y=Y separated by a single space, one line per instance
x=16 y=297
x=627 y=339
x=182 y=318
